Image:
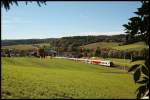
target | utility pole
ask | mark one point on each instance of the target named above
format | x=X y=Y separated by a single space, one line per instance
x=124 y=61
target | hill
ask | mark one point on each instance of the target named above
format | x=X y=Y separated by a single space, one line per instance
x=101 y=45
x=64 y=41
x=134 y=47
x=30 y=78
x=115 y=45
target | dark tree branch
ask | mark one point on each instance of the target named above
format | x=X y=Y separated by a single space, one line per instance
x=8 y=3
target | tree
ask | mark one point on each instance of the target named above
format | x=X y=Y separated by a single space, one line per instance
x=139 y=26
x=7 y=3
x=97 y=52
x=41 y=52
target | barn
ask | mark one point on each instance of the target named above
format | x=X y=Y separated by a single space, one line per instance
x=50 y=52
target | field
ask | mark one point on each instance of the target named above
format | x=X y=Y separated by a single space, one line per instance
x=134 y=47
x=32 y=78
x=25 y=46
x=114 y=45
x=101 y=45
x=124 y=62
x=111 y=45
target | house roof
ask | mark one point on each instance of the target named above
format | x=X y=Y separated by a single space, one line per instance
x=50 y=51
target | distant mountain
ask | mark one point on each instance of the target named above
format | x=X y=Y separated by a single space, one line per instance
x=75 y=40
x=26 y=41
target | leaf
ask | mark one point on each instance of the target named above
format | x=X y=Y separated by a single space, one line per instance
x=135 y=19
x=143 y=81
x=145 y=71
x=125 y=25
x=135 y=59
x=16 y=3
x=137 y=75
x=146 y=78
x=133 y=67
x=138 y=95
x=141 y=91
x=137 y=13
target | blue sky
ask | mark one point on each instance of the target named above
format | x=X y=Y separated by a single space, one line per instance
x=59 y=19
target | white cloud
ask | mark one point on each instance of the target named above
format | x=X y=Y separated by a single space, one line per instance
x=90 y=33
x=101 y=33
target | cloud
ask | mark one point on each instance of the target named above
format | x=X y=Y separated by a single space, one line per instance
x=89 y=34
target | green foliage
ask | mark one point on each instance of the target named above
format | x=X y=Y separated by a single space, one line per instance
x=139 y=26
x=133 y=67
x=62 y=79
x=140 y=91
x=145 y=70
x=137 y=74
x=141 y=76
x=141 y=71
x=7 y=3
x=97 y=52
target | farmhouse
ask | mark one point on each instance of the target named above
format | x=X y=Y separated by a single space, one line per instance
x=32 y=53
x=50 y=52
x=2 y=53
x=7 y=53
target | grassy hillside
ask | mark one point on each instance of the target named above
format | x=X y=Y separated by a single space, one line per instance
x=59 y=78
x=25 y=46
x=115 y=45
x=135 y=46
x=111 y=45
x=101 y=45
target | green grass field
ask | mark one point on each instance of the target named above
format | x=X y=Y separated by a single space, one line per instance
x=114 y=45
x=124 y=62
x=32 y=78
x=101 y=45
x=134 y=47
x=25 y=46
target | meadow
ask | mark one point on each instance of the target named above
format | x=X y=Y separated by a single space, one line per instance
x=132 y=47
x=101 y=45
x=115 y=45
x=123 y=62
x=111 y=45
x=30 y=78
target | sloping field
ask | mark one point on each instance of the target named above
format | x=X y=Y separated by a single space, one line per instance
x=114 y=45
x=26 y=78
x=101 y=45
x=134 y=47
